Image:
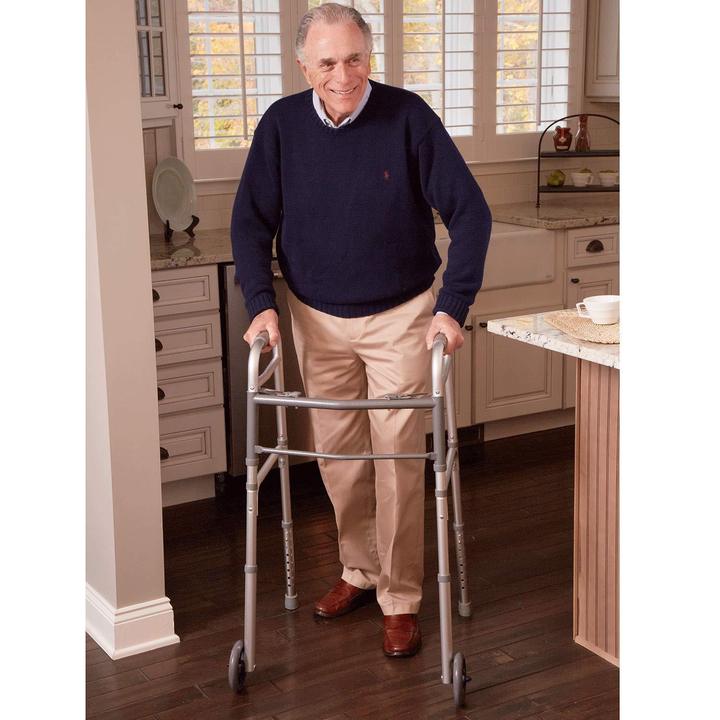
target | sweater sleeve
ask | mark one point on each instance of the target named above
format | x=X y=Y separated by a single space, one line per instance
x=448 y=186
x=255 y=219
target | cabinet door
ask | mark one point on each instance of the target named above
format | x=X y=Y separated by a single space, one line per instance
x=602 y=58
x=513 y=378
x=581 y=283
x=462 y=379
x=157 y=73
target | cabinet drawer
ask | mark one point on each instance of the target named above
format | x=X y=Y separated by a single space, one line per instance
x=189 y=386
x=593 y=245
x=181 y=339
x=192 y=444
x=183 y=290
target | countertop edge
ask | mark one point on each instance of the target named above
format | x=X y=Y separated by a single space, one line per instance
x=559 y=343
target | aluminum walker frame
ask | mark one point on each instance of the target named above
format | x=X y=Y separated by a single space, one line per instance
x=445 y=466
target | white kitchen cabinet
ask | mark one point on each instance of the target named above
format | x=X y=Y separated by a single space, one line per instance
x=592 y=269
x=188 y=346
x=602 y=51
x=511 y=378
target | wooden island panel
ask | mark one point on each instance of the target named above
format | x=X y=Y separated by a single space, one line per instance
x=595 y=584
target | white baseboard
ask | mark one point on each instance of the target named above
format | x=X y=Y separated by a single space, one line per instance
x=188 y=490
x=129 y=630
x=528 y=423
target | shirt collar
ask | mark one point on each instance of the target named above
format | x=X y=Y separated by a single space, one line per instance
x=320 y=109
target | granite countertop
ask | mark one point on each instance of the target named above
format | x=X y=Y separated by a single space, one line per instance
x=556 y=214
x=208 y=247
x=532 y=329
x=213 y=246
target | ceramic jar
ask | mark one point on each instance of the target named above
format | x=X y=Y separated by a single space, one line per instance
x=562 y=138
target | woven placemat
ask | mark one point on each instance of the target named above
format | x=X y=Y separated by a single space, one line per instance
x=583 y=328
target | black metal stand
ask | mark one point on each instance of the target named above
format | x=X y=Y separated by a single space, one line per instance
x=568 y=153
x=189 y=229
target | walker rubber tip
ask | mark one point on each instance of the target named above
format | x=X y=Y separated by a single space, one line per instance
x=464 y=609
x=291 y=603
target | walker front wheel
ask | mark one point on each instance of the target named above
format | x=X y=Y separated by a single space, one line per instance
x=236 y=667
x=459 y=679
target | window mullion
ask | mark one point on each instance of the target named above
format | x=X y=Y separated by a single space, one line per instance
x=539 y=85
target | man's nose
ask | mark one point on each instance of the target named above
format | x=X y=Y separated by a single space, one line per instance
x=341 y=72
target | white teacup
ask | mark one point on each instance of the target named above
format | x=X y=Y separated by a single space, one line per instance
x=601 y=309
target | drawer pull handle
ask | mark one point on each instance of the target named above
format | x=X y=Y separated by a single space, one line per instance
x=595 y=246
x=158 y=345
x=161 y=394
x=164 y=454
x=483 y=324
x=156 y=295
x=575 y=281
x=468 y=327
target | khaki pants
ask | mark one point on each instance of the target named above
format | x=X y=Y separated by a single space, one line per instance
x=378 y=504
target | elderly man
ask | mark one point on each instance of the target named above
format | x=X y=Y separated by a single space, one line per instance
x=347 y=174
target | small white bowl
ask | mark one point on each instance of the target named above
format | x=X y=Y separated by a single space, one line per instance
x=608 y=179
x=581 y=179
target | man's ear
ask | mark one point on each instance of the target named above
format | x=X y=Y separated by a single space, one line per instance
x=303 y=69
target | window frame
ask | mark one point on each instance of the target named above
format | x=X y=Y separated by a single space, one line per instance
x=484 y=146
x=516 y=146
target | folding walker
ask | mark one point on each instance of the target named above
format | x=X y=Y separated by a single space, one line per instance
x=445 y=465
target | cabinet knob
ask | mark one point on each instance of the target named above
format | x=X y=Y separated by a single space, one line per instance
x=482 y=324
x=164 y=454
x=158 y=345
x=156 y=295
x=575 y=281
x=595 y=246
x=468 y=327
x=161 y=394
x=178 y=106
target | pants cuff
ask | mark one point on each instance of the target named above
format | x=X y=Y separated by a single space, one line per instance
x=358 y=579
x=400 y=608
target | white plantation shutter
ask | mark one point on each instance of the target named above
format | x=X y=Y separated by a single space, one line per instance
x=438 y=61
x=533 y=61
x=236 y=68
x=495 y=71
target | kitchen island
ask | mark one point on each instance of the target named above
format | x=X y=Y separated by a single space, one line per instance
x=595 y=561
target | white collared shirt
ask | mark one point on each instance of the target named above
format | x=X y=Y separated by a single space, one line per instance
x=320 y=109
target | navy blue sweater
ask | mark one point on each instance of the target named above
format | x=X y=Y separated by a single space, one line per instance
x=351 y=207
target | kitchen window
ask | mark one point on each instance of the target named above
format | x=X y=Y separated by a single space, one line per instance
x=494 y=70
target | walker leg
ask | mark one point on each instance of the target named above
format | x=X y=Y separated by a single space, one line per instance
x=464 y=603
x=441 y=506
x=251 y=485
x=291 y=598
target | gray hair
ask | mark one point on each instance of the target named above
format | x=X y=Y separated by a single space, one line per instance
x=330 y=13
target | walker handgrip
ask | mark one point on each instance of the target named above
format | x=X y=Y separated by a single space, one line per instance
x=439 y=338
x=263 y=337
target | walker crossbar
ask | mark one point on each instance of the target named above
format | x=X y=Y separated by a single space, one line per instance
x=336 y=456
x=445 y=466
x=369 y=404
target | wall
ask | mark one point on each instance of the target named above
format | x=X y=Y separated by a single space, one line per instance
x=127 y=610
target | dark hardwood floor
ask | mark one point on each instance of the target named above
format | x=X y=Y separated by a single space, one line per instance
x=517 y=496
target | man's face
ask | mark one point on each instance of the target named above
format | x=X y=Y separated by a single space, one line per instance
x=337 y=65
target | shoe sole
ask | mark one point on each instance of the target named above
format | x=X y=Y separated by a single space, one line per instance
x=404 y=653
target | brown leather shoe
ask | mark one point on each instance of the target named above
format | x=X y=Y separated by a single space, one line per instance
x=342 y=598
x=402 y=635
